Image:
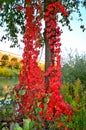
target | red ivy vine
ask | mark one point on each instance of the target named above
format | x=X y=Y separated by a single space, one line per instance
x=56 y=105
x=32 y=79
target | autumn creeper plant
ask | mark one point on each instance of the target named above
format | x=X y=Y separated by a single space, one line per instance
x=31 y=77
x=32 y=81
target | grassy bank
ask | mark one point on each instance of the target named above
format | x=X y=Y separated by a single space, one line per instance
x=6 y=72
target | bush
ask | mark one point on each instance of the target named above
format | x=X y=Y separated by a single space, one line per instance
x=5 y=72
x=76 y=96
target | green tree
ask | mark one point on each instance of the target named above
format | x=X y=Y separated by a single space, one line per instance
x=5 y=60
x=74 y=68
x=68 y=73
x=14 y=64
x=80 y=69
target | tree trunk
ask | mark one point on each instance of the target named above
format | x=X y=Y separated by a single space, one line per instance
x=48 y=52
x=48 y=55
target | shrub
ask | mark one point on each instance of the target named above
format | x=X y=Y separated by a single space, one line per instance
x=76 y=96
x=5 y=72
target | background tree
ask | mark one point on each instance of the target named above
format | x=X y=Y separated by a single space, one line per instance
x=5 y=60
x=13 y=62
x=74 y=68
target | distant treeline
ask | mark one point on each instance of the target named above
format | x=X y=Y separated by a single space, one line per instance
x=9 y=67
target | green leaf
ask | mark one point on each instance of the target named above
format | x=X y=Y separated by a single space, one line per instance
x=17 y=127
x=21 y=92
x=31 y=126
x=28 y=4
x=41 y=42
x=27 y=124
x=38 y=110
x=46 y=100
x=4 y=111
x=42 y=15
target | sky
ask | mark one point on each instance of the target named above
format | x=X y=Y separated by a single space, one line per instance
x=75 y=40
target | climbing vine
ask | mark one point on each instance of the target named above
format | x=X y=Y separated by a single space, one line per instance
x=32 y=90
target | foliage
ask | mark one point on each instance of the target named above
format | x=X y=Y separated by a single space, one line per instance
x=7 y=110
x=5 y=60
x=14 y=64
x=38 y=86
x=74 y=68
x=7 y=102
x=76 y=96
x=8 y=107
x=80 y=69
x=5 y=57
x=14 y=59
x=73 y=94
x=14 y=20
x=67 y=73
x=28 y=124
x=38 y=94
x=6 y=72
